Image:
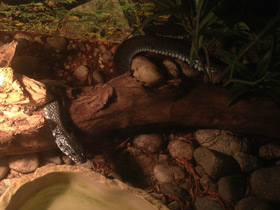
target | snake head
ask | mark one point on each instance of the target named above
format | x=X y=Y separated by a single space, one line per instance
x=70 y=147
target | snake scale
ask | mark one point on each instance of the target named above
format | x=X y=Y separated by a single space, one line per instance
x=64 y=139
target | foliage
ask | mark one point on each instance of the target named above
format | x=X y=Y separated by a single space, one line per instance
x=48 y=17
x=252 y=59
x=247 y=42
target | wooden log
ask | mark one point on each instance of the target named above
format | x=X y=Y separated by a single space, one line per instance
x=124 y=106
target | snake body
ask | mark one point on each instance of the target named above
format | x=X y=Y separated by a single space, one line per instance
x=64 y=139
x=160 y=45
x=124 y=55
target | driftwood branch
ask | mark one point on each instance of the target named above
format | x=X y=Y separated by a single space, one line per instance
x=124 y=106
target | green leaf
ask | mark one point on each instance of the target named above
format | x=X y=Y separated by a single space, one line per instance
x=207 y=21
x=157 y=14
x=238 y=91
x=264 y=62
x=228 y=58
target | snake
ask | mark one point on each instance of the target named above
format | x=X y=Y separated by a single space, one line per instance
x=65 y=140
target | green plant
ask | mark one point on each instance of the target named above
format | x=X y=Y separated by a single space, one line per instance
x=209 y=27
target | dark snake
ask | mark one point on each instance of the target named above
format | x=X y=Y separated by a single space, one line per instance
x=66 y=141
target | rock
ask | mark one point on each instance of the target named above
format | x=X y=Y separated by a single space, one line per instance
x=145 y=71
x=137 y=159
x=232 y=188
x=107 y=56
x=26 y=65
x=57 y=42
x=148 y=143
x=270 y=151
x=171 y=189
x=38 y=39
x=162 y=158
x=187 y=70
x=67 y=160
x=181 y=150
x=82 y=46
x=208 y=184
x=146 y=163
x=214 y=163
x=102 y=48
x=4 y=167
x=25 y=163
x=252 y=202
x=19 y=36
x=172 y=68
x=207 y=204
x=97 y=77
x=199 y=171
x=51 y=156
x=81 y=73
x=174 y=206
x=247 y=162
x=221 y=141
x=265 y=184
x=168 y=173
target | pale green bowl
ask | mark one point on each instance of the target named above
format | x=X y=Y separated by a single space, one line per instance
x=74 y=188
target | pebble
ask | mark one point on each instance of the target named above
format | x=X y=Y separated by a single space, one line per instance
x=199 y=171
x=232 y=188
x=252 y=202
x=82 y=46
x=145 y=71
x=207 y=204
x=81 y=73
x=167 y=173
x=102 y=48
x=25 y=163
x=172 y=68
x=97 y=77
x=4 y=167
x=181 y=150
x=171 y=189
x=265 y=184
x=51 y=156
x=187 y=70
x=107 y=56
x=214 y=163
x=270 y=151
x=57 y=42
x=208 y=184
x=148 y=143
x=141 y=161
x=221 y=140
x=19 y=36
x=247 y=162
x=162 y=158
x=145 y=162
x=67 y=160
x=38 y=39
x=174 y=206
